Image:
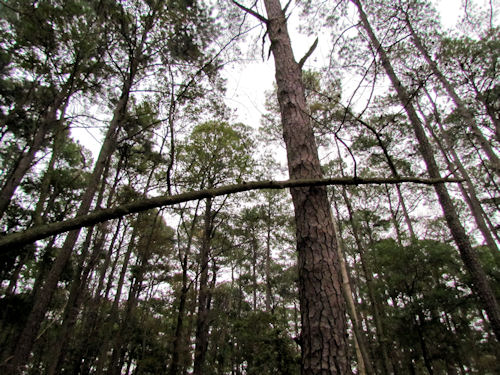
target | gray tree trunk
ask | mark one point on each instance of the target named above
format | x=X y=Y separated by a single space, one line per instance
x=481 y=285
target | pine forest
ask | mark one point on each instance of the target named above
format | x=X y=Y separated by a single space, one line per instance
x=351 y=225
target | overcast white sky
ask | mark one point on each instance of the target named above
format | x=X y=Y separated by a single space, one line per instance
x=247 y=82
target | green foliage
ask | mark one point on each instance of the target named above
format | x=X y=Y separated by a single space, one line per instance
x=216 y=153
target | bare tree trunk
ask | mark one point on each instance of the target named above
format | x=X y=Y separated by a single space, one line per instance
x=480 y=283
x=364 y=360
x=42 y=300
x=179 y=343
x=268 y=260
x=25 y=160
x=377 y=316
x=394 y=216
x=323 y=314
x=113 y=315
x=202 y=324
x=493 y=158
x=469 y=194
x=59 y=138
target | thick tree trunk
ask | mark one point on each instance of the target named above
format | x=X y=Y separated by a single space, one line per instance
x=471 y=122
x=480 y=283
x=320 y=282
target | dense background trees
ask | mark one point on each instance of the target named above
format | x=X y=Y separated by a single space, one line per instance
x=373 y=279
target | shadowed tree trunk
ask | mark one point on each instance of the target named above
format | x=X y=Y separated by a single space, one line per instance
x=364 y=361
x=201 y=340
x=43 y=298
x=375 y=303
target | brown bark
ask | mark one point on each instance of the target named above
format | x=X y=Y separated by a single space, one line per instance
x=481 y=285
x=323 y=314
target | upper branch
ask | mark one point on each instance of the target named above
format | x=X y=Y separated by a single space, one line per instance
x=257 y=15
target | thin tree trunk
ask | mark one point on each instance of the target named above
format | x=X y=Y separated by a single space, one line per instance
x=113 y=315
x=179 y=341
x=377 y=316
x=25 y=161
x=123 y=335
x=480 y=283
x=79 y=282
x=469 y=194
x=493 y=158
x=394 y=217
x=323 y=314
x=202 y=324
x=42 y=300
x=268 y=259
x=254 y=270
x=364 y=360
x=47 y=177
x=90 y=321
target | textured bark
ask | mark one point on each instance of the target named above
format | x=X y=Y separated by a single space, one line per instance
x=481 y=286
x=323 y=313
x=467 y=115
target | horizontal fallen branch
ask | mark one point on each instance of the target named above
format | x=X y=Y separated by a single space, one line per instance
x=37 y=233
